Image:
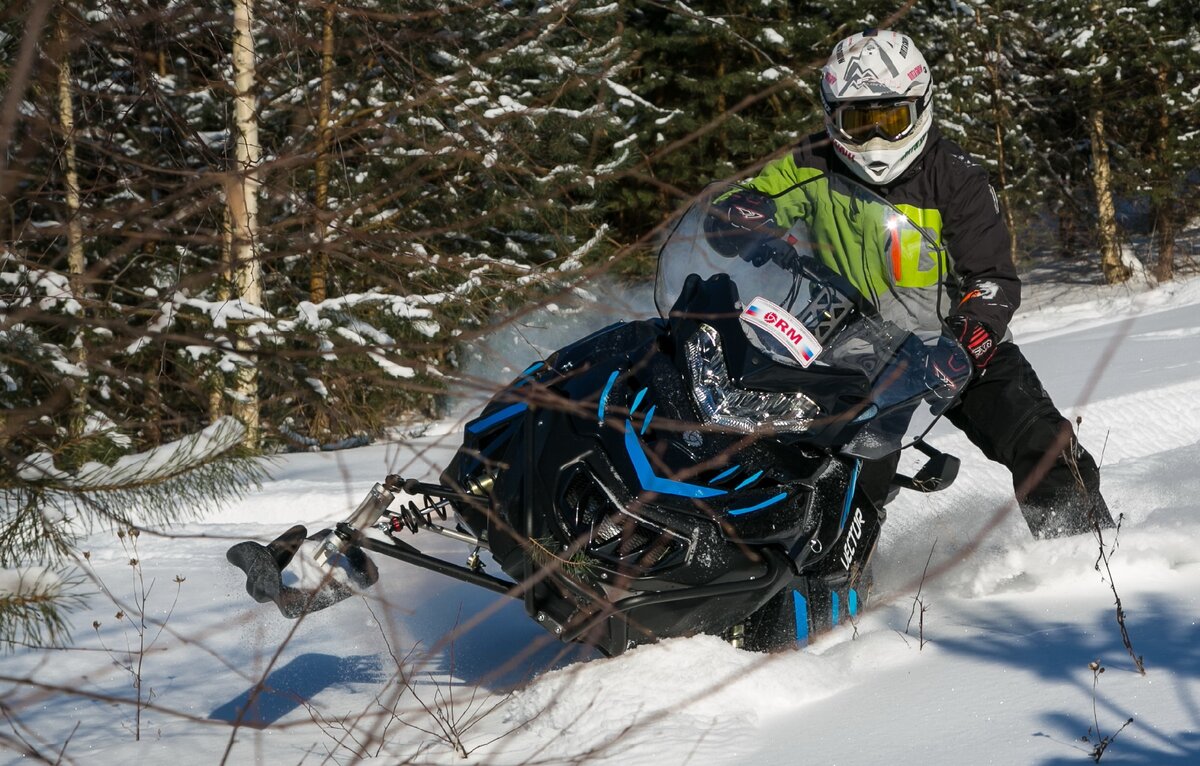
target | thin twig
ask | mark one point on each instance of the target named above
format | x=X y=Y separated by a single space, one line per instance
x=920 y=585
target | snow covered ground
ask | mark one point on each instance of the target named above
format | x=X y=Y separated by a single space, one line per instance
x=994 y=669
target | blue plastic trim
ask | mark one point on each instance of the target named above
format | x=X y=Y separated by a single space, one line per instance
x=869 y=412
x=749 y=481
x=525 y=380
x=724 y=474
x=853 y=602
x=499 y=416
x=637 y=400
x=604 y=395
x=850 y=494
x=833 y=606
x=654 y=483
x=760 y=506
x=649 y=417
x=801 y=607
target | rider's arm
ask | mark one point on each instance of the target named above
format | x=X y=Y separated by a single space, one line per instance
x=783 y=180
x=979 y=242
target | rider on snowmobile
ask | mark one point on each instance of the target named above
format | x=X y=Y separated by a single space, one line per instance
x=877 y=92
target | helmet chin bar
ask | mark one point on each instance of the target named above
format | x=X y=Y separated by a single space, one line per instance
x=895 y=156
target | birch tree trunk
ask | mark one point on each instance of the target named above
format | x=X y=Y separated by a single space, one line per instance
x=1164 y=211
x=317 y=286
x=1114 y=270
x=76 y=263
x=242 y=198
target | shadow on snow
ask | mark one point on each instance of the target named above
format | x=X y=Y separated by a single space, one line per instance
x=506 y=649
x=1060 y=653
x=294 y=684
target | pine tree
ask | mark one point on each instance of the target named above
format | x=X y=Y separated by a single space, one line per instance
x=1159 y=147
x=459 y=168
x=82 y=444
x=730 y=85
x=455 y=171
x=980 y=56
x=1085 y=88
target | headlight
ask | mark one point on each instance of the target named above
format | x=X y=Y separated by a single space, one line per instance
x=721 y=404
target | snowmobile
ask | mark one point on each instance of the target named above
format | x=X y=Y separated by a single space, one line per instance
x=716 y=469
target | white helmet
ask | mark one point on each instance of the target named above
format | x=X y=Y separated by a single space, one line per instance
x=877 y=88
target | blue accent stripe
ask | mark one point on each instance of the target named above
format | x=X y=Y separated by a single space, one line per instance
x=801 y=608
x=724 y=474
x=604 y=395
x=850 y=494
x=525 y=379
x=760 y=506
x=499 y=416
x=853 y=605
x=637 y=400
x=655 y=483
x=649 y=417
x=833 y=606
x=869 y=412
x=748 y=481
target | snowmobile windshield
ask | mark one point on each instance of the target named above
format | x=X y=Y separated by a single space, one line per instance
x=852 y=294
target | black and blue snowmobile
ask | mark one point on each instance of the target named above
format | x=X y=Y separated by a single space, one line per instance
x=720 y=469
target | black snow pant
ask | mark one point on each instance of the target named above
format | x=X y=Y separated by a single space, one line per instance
x=1008 y=415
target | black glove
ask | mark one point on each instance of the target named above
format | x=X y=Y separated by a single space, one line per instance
x=772 y=250
x=750 y=210
x=976 y=337
x=741 y=223
x=947 y=368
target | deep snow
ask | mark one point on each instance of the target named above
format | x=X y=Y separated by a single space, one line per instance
x=996 y=670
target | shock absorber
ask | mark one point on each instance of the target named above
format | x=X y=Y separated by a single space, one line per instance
x=367 y=514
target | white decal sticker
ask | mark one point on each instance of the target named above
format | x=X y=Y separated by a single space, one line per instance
x=988 y=290
x=783 y=327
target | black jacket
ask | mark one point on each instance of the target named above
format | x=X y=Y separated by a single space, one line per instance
x=959 y=206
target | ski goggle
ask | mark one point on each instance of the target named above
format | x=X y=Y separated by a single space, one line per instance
x=860 y=121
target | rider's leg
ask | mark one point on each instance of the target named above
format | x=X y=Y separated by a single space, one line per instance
x=1010 y=417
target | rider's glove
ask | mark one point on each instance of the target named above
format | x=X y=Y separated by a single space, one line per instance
x=976 y=337
x=947 y=368
x=772 y=251
x=751 y=210
x=742 y=223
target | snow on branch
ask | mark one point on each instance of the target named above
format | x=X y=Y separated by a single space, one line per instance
x=140 y=469
x=53 y=287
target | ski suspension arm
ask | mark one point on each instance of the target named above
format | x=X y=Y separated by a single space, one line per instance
x=435 y=499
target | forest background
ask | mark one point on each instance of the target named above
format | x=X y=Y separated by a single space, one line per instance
x=241 y=227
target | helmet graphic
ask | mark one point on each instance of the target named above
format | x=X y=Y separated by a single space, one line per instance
x=876 y=89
